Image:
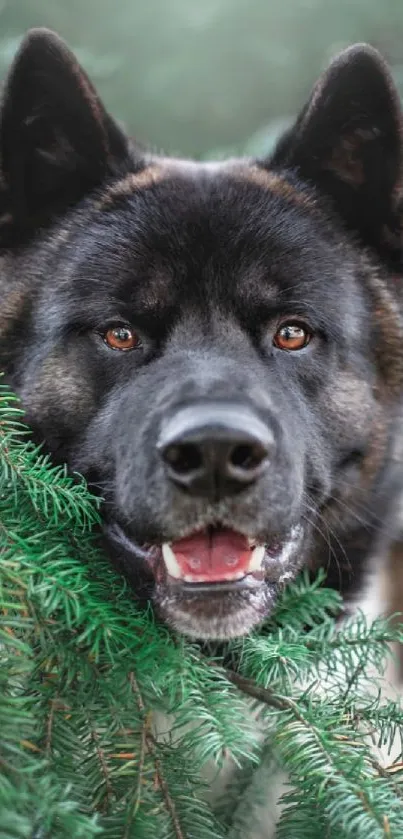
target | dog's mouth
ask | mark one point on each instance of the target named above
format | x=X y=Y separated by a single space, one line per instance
x=210 y=557
x=217 y=582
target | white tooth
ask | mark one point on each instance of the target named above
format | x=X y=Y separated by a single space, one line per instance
x=256 y=560
x=171 y=563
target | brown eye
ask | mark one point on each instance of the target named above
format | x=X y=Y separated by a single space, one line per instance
x=292 y=336
x=121 y=338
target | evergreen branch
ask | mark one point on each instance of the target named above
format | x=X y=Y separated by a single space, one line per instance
x=169 y=802
x=288 y=704
x=103 y=764
x=76 y=718
x=256 y=691
x=152 y=746
x=134 y=803
x=49 y=727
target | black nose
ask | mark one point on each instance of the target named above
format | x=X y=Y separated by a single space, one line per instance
x=215 y=451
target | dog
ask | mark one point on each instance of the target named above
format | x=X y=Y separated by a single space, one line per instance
x=216 y=347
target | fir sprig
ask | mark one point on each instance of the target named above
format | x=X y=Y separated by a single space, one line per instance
x=107 y=719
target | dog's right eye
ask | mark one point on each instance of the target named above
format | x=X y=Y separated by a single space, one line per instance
x=292 y=336
x=121 y=337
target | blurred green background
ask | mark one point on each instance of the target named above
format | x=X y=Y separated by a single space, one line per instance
x=207 y=77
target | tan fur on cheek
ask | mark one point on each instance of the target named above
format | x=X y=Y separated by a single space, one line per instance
x=351 y=405
x=11 y=309
x=389 y=350
x=378 y=447
x=59 y=387
x=348 y=403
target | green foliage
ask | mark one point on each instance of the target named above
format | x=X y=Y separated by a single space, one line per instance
x=107 y=719
x=190 y=76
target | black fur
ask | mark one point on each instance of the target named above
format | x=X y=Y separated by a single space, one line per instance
x=205 y=262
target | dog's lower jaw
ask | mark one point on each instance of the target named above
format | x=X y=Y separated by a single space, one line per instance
x=216 y=617
x=217 y=609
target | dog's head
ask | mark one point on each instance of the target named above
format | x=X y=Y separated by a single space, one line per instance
x=211 y=345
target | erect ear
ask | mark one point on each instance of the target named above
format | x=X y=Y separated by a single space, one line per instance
x=56 y=139
x=348 y=142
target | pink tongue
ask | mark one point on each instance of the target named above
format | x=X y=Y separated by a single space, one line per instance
x=213 y=557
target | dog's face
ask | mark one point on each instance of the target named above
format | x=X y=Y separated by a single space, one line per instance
x=206 y=343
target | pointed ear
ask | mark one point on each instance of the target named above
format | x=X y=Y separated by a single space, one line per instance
x=56 y=140
x=348 y=142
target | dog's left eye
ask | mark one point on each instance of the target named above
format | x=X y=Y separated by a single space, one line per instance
x=121 y=338
x=292 y=336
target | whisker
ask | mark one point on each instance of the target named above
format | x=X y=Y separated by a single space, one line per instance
x=366 y=522
x=327 y=540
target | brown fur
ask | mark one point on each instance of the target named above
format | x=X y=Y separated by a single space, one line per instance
x=276 y=184
x=131 y=183
x=12 y=307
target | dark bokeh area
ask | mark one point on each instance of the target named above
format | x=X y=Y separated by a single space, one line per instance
x=207 y=77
